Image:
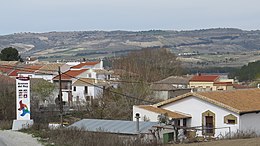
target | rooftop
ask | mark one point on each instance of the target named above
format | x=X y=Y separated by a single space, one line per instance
x=174 y=115
x=113 y=126
x=68 y=75
x=204 y=78
x=239 y=101
x=81 y=65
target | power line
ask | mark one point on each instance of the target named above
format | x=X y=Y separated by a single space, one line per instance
x=33 y=69
x=128 y=96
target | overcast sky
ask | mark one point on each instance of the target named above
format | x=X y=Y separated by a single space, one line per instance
x=73 y=15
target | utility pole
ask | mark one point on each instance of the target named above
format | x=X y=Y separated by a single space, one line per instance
x=60 y=99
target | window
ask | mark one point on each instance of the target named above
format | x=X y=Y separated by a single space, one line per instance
x=89 y=75
x=184 y=122
x=74 y=88
x=230 y=119
x=86 y=89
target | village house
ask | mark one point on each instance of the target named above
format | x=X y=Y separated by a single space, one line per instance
x=170 y=87
x=86 y=89
x=213 y=113
x=202 y=82
x=67 y=79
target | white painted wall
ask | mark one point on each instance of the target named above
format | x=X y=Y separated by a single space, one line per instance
x=195 y=107
x=47 y=77
x=250 y=122
x=145 y=113
x=80 y=91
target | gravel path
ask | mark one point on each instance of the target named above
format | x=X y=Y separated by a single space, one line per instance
x=14 y=138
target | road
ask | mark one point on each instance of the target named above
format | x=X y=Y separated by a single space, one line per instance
x=14 y=138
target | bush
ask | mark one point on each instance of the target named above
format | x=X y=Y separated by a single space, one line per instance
x=75 y=137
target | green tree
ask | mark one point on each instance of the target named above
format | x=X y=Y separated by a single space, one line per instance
x=9 y=54
x=41 y=91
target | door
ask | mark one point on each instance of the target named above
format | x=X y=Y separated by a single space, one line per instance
x=209 y=124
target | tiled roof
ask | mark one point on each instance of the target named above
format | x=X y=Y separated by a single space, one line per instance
x=26 y=69
x=6 y=69
x=89 y=81
x=239 y=101
x=175 y=80
x=14 y=72
x=50 y=68
x=68 y=75
x=175 y=115
x=204 y=78
x=85 y=64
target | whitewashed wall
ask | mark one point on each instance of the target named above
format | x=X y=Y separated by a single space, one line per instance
x=144 y=113
x=250 y=122
x=195 y=107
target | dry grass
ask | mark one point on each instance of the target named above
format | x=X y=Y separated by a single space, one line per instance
x=5 y=125
x=75 y=137
x=236 y=142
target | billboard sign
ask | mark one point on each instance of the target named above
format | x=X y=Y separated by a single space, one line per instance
x=23 y=98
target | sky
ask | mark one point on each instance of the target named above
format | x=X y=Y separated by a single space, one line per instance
x=133 y=15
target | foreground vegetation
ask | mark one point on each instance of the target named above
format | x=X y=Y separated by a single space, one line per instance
x=75 y=137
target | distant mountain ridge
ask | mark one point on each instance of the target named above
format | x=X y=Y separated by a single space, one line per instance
x=103 y=43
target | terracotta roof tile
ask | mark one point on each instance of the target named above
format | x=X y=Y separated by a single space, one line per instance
x=175 y=115
x=239 y=101
x=204 y=78
x=81 y=65
x=68 y=75
x=89 y=81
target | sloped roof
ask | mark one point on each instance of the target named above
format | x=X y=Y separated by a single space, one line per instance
x=175 y=80
x=204 y=78
x=85 y=64
x=239 y=101
x=113 y=126
x=14 y=72
x=89 y=81
x=50 y=68
x=174 y=115
x=6 y=68
x=68 y=75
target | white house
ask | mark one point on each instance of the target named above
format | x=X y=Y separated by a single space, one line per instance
x=67 y=79
x=85 y=89
x=214 y=113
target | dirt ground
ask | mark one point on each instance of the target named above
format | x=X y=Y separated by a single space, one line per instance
x=236 y=142
x=14 y=138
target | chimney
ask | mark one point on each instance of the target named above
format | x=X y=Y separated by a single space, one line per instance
x=137 y=116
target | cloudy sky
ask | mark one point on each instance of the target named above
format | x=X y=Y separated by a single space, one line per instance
x=73 y=15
